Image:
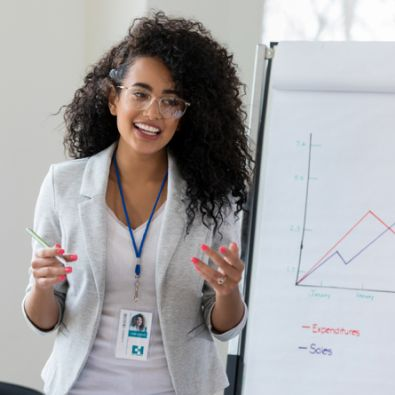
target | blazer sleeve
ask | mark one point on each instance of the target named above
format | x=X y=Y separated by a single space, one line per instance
x=47 y=225
x=230 y=231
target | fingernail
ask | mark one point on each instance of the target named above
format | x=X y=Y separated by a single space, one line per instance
x=194 y=260
x=60 y=251
x=73 y=257
x=204 y=247
x=62 y=277
x=58 y=245
x=68 y=269
x=222 y=250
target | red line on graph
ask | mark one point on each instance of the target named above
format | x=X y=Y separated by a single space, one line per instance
x=317 y=264
x=380 y=220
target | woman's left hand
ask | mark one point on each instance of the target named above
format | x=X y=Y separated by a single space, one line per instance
x=226 y=279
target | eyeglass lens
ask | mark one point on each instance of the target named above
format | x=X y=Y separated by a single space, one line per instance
x=169 y=106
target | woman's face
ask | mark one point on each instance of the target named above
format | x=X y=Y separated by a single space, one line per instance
x=139 y=321
x=146 y=131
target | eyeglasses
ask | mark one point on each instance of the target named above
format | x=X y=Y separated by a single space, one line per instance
x=170 y=106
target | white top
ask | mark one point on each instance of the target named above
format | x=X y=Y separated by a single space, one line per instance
x=103 y=373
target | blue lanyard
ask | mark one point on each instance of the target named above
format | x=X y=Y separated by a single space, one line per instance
x=138 y=251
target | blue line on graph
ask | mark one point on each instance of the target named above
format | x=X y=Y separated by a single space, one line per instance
x=357 y=254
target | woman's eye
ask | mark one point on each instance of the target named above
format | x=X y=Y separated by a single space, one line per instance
x=137 y=95
x=171 y=101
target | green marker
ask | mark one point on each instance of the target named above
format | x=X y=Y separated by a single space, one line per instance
x=43 y=243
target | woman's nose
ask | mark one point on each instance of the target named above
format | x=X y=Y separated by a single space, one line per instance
x=152 y=111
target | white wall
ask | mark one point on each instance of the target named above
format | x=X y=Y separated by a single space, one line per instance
x=46 y=47
x=42 y=60
x=107 y=22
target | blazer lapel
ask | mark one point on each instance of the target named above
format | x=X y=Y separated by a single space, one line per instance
x=92 y=213
x=173 y=225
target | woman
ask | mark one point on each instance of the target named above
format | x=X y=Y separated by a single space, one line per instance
x=160 y=172
x=137 y=322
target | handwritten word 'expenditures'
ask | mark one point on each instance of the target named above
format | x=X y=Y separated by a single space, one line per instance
x=323 y=330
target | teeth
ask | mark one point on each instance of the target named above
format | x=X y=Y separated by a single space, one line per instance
x=147 y=128
x=148 y=133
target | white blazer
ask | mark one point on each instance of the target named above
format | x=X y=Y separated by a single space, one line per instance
x=71 y=209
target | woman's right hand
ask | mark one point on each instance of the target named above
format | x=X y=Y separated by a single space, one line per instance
x=47 y=270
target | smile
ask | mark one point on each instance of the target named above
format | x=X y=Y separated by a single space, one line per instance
x=147 y=129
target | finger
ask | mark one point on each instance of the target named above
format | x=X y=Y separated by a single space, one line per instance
x=49 y=252
x=219 y=289
x=212 y=254
x=206 y=271
x=70 y=257
x=231 y=256
x=51 y=272
x=45 y=282
x=212 y=276
x=234 y=248
x=42 y=262
x=226 y=267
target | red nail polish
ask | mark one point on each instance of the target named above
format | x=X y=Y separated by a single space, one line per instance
x=62 y=277
x=204 y=247
x=68 y=269
x=222 y=250
x=194 y=260
x=60 y=251
x=58 y=245
x=73 y=257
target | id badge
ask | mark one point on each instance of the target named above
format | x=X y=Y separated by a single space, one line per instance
x=134 y=332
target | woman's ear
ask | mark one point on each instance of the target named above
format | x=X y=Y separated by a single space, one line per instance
x=113 y=101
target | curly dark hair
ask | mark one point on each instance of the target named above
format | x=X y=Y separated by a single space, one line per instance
x=211 y=149
x=134 y=323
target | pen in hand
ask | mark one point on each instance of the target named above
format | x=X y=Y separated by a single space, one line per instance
x=44 y=244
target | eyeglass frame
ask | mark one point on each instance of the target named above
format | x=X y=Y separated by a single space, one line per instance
x=153 y=98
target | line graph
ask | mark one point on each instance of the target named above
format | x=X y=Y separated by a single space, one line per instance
x=357 y=241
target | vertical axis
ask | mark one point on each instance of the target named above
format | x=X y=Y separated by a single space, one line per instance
x=305 y=208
